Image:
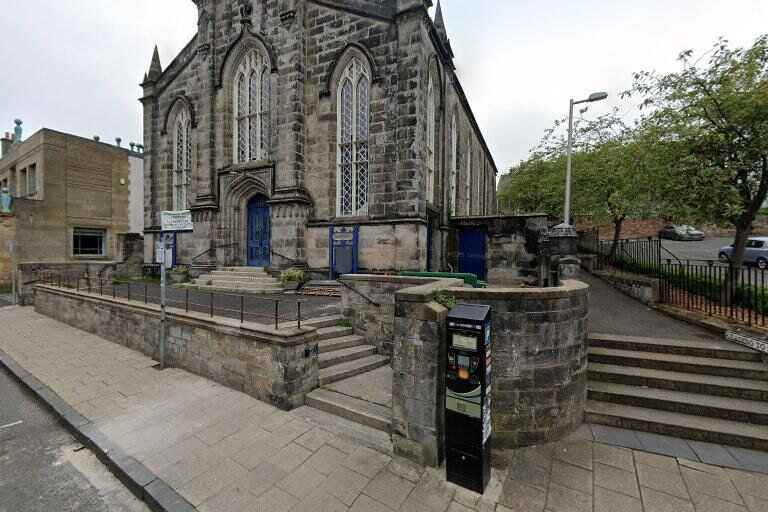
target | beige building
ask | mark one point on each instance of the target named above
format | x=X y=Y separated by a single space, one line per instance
x=71 y=198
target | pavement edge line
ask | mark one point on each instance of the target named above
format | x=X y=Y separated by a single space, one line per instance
x=140 y=480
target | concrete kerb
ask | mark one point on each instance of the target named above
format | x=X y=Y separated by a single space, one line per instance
x=141 y=481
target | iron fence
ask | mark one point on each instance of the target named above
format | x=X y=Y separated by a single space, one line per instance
x=705 y=286
x=715 y=289
x=278 y=312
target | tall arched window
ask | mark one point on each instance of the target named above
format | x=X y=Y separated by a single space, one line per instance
x=430 y=174
x=182 y=160
x=468 y=181
x=454 y=162
x=352 y=179
x=251 y=109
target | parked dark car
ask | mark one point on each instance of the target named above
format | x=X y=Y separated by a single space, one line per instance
x=755 y=253
x=682 y=232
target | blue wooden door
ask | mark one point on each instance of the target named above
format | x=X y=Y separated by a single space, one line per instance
x=472 y=245
x=258 y=232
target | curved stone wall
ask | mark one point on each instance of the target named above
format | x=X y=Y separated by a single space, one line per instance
x=539 y=355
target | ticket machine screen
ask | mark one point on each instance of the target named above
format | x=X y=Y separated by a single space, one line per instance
x=464 y=342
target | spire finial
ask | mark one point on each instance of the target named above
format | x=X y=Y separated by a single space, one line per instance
x=155 y=69
x=439 y=21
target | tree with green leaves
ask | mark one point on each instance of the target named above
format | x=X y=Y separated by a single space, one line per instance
x=708 y=124
x=611 y=181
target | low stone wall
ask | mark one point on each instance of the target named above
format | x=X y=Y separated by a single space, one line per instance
x=644 y=289
x=279 y=367
x=369 y=301
x=539 y=352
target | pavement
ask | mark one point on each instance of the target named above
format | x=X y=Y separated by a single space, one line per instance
x=612 y=312
x=43 y=468
x=225 y=451
x=259 y=308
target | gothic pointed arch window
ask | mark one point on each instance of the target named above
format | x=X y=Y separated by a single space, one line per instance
x=182 y=160
x=353 y=114
x=251 y=97
x=430 y=160
x=454 y=162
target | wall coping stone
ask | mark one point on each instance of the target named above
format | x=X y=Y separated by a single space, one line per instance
x=569 y=288
x=248 y=330
x=389 y=279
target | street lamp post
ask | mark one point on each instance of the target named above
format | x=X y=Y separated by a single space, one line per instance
x=598 y=96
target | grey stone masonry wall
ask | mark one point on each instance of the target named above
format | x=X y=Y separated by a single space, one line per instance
x=369 y=300
x=539 y=352
x=279 y=367
x=539 y=355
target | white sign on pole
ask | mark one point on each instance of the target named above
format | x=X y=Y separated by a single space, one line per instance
x=176 y=221
x=159 y=252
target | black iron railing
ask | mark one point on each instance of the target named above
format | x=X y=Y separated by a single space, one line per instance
x=274 y=312
x=706 y=286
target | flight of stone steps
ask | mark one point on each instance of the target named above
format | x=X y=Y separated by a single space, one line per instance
x=713 y=391
x=344 y=354
x=240 y=279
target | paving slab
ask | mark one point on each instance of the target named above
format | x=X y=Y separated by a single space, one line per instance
x=196 y=445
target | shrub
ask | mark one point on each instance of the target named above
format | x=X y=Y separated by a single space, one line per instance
x=446 y=300
x=293 y=276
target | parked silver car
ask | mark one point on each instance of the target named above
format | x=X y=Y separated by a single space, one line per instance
x=682 y=232
x=755 y=253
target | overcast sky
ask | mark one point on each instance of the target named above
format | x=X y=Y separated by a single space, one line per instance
x=74 y=65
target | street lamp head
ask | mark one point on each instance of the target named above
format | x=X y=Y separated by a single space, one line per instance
x=597 y=96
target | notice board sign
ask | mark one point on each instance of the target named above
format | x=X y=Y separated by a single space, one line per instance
x=176 y=221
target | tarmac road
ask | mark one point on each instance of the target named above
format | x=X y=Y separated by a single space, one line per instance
x=44 y=469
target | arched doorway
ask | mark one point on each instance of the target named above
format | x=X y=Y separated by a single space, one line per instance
x=258 y=247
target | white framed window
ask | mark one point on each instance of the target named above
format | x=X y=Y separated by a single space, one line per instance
x=251 y=97
x=454 y=162
x=468 y=181
x=352 y=156
x=430 y=174
x=182 y=161
x=89 y=242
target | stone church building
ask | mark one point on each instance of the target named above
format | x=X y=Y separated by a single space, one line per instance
x=284 y=122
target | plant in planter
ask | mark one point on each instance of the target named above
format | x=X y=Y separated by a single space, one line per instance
x=446 y=300
x=178 y=274
x=292 y=279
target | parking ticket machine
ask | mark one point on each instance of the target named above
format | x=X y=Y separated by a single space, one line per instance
x=468 y=397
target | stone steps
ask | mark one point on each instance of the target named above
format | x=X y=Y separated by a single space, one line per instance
x=733 y=409
x=713 y=430
x=344 y=355
x=706 y=390
x=680 y=363
x=354 y=409
x=239 y=280
x=335 y=331
x=341 y=343
x=318 y=323
x=717 y=349
x=351 y=368
x=679 y=381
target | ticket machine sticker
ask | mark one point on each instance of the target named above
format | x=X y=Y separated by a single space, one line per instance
x=467 y=403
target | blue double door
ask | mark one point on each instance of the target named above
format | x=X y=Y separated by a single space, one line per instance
x=258 y=232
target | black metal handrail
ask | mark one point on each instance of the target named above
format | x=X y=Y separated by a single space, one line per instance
x=245 y=307
x=214 y=248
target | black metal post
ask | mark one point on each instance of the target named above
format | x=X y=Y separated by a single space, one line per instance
x=211 y=304
x=146 y=295
x=298 y=313
x=242 y=307
x=186 y=306
x=277 y=309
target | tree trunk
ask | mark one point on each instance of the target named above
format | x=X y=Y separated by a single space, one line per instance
x=728 y=291
x=618 y=222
